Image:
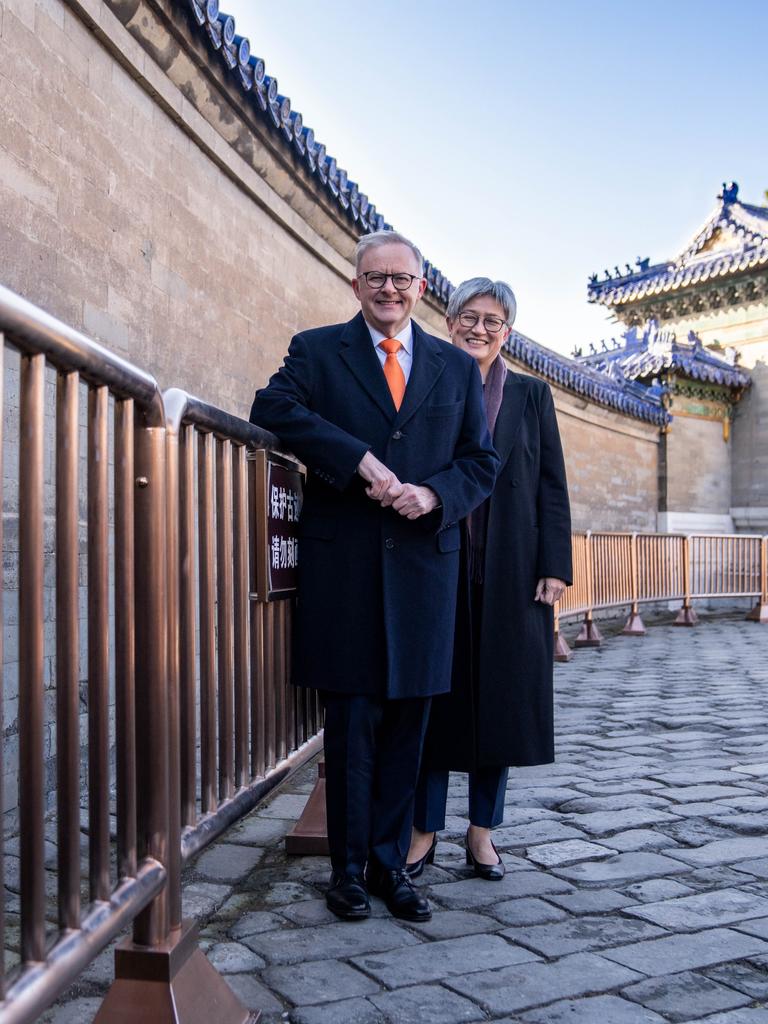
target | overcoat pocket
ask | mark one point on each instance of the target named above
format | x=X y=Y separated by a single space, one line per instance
x=449 y=540
x=438 y=411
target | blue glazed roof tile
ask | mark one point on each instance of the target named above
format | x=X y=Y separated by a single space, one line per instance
x=734 y=239
x=646 y=354
x=605 y=387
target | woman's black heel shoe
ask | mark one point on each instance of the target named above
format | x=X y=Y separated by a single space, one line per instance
x=490 y=872
x=415 y=869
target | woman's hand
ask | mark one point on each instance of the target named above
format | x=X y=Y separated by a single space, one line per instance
x=549 y=590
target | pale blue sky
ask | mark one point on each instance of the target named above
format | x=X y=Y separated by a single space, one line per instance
x=531 y=141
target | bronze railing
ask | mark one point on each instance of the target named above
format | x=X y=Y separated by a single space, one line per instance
x=61 y=935
x=614 y=570
x=190 y=720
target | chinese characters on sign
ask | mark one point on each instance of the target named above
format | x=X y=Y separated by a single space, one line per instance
x=279 y=485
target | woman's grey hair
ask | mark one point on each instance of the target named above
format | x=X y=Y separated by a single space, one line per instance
x=476 y=287
x=377 y=238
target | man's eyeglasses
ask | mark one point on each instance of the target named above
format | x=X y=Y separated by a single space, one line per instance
x=492 y=324
x=377 y=279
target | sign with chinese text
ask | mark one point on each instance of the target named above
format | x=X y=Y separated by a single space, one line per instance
x=277 y=492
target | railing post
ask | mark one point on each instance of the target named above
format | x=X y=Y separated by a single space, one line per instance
x=562 y=651
x=686 y=616
x=634 y=625
x=760 y=612
x=589 y=634
x=160 y=975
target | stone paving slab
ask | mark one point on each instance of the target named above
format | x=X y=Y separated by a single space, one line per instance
x=664 y=919
x=609 y=1009
x=521 y=987
x=683 y=996
x=443 y=959
x=683 y=952
x=705 y=910
x=581 y=933
x=426 y=1004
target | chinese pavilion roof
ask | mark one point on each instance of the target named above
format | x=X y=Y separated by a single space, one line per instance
x=606 y=386
x=732 y=241
x=652 y=353
x=287 y=126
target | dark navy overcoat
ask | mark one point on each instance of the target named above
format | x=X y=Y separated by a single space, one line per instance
x=499 y=711
x=377 y=592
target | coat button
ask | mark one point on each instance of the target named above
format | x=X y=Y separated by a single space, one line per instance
x=389 y=543
x=397 y=435
x=515 y=482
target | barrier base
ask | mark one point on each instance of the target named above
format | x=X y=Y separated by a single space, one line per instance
x=686 y=617
x=759 y=613
x=173 y=983
x=562 y=651
x=634 y=626
x=309 y=836
x=589 y=635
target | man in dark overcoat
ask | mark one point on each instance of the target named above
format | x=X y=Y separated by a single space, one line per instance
x=389 y=421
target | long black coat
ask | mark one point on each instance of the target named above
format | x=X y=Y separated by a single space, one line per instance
x=501 y=713
x=377 y=592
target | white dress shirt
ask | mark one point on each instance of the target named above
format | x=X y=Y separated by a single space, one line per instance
x=404 y=354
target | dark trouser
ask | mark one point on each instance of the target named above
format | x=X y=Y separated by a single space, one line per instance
x=486 y=798
x=372 y=754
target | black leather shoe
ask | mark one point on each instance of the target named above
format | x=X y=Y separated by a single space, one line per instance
x=490 y=872
x=347 y=897
x=397 y=891
x=417 y=867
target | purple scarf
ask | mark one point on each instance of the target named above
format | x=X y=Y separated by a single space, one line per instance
x=477 y=523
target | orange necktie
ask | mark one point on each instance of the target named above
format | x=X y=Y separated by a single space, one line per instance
x=393 y=371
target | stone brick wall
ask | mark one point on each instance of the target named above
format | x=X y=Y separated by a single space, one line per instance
x=750 y=453
x=611 y=463
x=698 y=467
x=744 y=328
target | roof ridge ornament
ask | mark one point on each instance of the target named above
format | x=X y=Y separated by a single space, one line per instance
x=729 y=193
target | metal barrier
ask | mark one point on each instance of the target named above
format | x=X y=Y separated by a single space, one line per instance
x=254 y=728
x=134 y=888
x=134 y=481
x=612 y=570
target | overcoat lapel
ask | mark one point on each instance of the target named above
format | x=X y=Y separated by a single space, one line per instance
x=357 y=352
x=510 y=416
x=426 y=368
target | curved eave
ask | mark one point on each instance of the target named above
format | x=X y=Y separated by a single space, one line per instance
x=569 y=376
x=677 y=279
x=644 y=366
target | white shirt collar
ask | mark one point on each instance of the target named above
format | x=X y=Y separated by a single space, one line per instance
x=405 y=337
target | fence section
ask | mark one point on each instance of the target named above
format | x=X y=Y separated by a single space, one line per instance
x=119 y=409
x=614 y=570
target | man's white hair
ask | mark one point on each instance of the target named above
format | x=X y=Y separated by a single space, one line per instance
x=377 y=238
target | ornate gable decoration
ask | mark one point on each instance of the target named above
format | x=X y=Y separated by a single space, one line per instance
x=655 y=353
x=287 y=125
x=733 y=241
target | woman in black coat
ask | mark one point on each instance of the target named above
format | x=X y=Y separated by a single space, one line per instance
x=499 y=711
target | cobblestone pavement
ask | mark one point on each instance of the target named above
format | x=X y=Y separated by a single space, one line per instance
x=637 y=881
